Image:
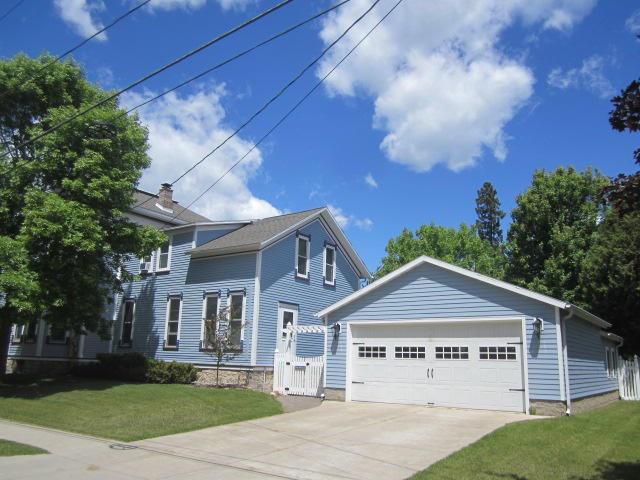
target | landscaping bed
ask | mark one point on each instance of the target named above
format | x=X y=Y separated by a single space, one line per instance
x=10 y=449
x=127 y=411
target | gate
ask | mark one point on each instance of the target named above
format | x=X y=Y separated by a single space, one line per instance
x=629 y=379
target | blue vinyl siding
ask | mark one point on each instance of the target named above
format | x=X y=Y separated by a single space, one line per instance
x=432 y=292
x=279 y=284
x=586 y=358
x=189 y=278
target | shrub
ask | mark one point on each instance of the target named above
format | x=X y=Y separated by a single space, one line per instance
x=159 y=371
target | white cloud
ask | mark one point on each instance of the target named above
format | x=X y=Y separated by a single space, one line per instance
x=196 y=4
x=345 y=220
x=369 y=180
x=589 y=76
x=633 y=23
x=182 y=129
x=442 y=86
x=79 y=14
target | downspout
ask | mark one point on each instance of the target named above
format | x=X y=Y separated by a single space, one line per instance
x=565 y=360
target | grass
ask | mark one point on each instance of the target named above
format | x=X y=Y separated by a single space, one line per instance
x=601 y=444
x=9 y=449
x=128 y=411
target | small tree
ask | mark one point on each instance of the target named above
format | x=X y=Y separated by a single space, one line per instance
x=489 y=215
x=219 y=339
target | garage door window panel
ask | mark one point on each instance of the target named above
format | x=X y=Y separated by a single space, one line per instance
x=372 y=352
x=498 y=353
x=402 y=352
x=452 y=353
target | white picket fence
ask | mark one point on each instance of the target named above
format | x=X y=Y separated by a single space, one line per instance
x=629 y=378
x=296 y=375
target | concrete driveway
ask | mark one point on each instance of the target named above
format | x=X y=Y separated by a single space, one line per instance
x=332 y=441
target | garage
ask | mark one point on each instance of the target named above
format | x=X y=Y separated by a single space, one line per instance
x=460 y=364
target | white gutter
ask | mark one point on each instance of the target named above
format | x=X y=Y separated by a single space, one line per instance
x=565 y=360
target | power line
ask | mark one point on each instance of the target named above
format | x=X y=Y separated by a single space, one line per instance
x=148 y=76
x=11 y=9
x=239 y=55
x=82 y=43
x=279 y=94
x=293 y=109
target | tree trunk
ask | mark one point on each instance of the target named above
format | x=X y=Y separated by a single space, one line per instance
x=218 y=372
x=5 y=337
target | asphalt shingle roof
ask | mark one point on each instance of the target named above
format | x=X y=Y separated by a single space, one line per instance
x=256 y=232
x=147 y=201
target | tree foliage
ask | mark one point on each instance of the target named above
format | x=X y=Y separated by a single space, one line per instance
x=610 y=278
x=63 y=229
x=624 y=192
x=554 y=224
x=460 y=246
x=489 y=214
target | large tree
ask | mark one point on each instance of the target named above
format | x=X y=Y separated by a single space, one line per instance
x=460 y=246
x=63 y=199
x=554 y=225
x=489 y=214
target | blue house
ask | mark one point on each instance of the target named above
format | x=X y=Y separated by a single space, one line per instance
x=431 y=333
x=269 y=274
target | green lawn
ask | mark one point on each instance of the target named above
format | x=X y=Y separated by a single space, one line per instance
x=127 y=411
x=601 y=444
x=9 y=449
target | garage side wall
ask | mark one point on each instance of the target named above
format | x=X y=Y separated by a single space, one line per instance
x=432 y=292
x=586 y=360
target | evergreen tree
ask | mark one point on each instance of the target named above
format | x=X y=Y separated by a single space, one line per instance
x=489 y=215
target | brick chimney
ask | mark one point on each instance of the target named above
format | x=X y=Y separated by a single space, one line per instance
x=165 y=196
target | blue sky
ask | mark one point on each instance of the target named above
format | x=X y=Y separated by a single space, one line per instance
x=444 y=96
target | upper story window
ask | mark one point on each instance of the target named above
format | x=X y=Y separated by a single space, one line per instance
x=236 y=319
x=172 y=328
x=128 y=312
x=146 y=264
x=164 y=257
x=303 y=245
x=330 y=265
x=209 y=318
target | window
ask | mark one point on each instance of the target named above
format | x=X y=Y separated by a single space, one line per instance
x=497 y=353
x=209 y=318
x=330 y=265
x=57 y=334
x=611 y=364
x=410 y=352
x=146 y=264
x=174 y=306
x=452 y=353
x=128 y=311
x=302 y=256
x=27 y=333
x=372 y=352
x=236 y=318
x=164 y=257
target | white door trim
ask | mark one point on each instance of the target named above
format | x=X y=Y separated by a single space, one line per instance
x=525 y=365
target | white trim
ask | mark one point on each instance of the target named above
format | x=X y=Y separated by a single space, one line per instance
x=565 y=361
x=347 y=373
x=159 y=254
x=468 y=273
x=324 y=264
x=166 y=322
x=307 y=239
x=114 y=318
x=203 y=226
x=204 y=311
x=525 y=366
x=256 y=310
x=149 y=264
x=133 y=320
x=612 y=336
x=563 y=394
x=326 y=348
x=507 y=318
x=143 y=212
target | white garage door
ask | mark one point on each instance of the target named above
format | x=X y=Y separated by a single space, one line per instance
x=467 y=365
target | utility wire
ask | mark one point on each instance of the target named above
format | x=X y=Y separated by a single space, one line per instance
x=271 y=100
x=81 y=44
x=148 y=76
x=294 y=108
x=279 y=94
x=238 y=55
x=11 y=9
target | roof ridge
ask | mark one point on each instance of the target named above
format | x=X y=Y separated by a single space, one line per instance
x=290 y=213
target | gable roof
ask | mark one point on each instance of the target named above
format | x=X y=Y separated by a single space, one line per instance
x=468 y=273
x=146 y=205
x=259 y=234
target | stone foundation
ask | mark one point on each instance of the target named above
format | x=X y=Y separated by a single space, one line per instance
x=595 y=401
x=547 y=408
x=336 y=394
x=33 y=366
x=260 y=379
